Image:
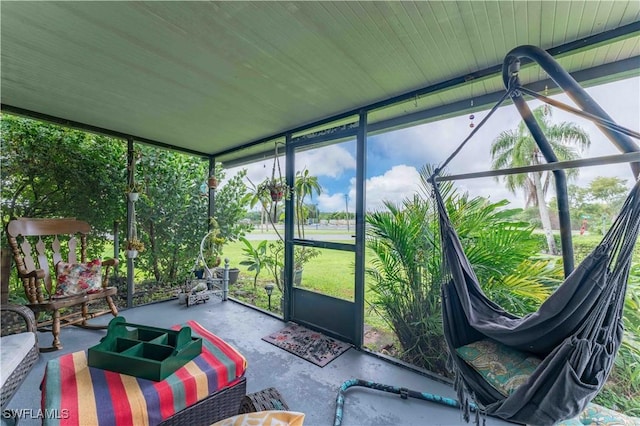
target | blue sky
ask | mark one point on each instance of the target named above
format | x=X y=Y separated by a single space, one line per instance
x=394 y=158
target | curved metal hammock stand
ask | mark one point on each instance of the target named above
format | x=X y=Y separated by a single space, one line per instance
x=578 y=330
x=576 y=333
x=403 y=392
x=215 y=283
x=617 y=134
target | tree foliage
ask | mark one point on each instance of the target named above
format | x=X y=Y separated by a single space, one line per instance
x=517 y=148
x=231 y=201
x=406 y=268
x=171 y=213
x=599 y=202
x=52 y=171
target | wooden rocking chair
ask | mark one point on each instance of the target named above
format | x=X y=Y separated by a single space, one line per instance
x=51 y=239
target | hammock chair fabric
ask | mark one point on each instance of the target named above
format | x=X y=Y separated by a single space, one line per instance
x=576 y=332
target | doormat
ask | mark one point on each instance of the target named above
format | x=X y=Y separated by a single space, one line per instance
x=310 y=345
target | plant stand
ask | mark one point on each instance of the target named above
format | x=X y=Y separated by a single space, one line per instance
x=200 y=297
x=213 y=286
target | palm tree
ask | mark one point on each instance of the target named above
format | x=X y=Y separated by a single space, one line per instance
x=406 y=271
x=517 y=148
x=304 y=185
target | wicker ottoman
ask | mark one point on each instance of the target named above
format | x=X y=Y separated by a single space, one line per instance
x=217 y=406
x=266 y=399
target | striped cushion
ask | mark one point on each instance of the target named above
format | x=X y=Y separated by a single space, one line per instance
x=92 y=396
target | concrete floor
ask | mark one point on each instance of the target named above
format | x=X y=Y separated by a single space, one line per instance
x=305 y=387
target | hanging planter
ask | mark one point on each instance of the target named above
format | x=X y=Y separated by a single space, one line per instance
x=133 y=191
x=276 y=191
x=212 y=182
x=134 y=246
x=274 y=188
x=276 y=195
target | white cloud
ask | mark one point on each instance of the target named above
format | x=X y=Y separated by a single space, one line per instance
x=331 y=161
x=332 y=203
x=396 y=184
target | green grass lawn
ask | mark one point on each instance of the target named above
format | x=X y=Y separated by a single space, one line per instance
x=331 y=273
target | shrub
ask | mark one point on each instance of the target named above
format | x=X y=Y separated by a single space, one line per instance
x=406 y=268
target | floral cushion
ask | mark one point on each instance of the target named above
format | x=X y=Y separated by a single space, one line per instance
x=596 y=414
x=264 y=418
x=78 y=278
x=502 y=367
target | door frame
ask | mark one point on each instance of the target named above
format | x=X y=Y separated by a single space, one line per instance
x=336 y=317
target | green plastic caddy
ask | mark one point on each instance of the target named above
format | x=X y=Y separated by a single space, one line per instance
x=143 y=351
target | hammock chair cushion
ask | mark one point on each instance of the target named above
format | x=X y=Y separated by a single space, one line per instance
x=598 y=415
x=502 y=367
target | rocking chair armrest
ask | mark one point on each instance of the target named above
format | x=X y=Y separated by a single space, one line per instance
x=110 y=262
x=36 y=273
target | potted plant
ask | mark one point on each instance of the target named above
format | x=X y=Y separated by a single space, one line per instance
x=199 y=270
x=254 y=258
x=273 y=190
x=276 y=189
x=212 y=182
x=133 y=191
x=274 y=261
x=234 y=274
x=301 y=256
x=134 y=246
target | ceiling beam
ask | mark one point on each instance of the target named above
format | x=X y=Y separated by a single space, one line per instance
x=595 y=40
x=619 y=33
